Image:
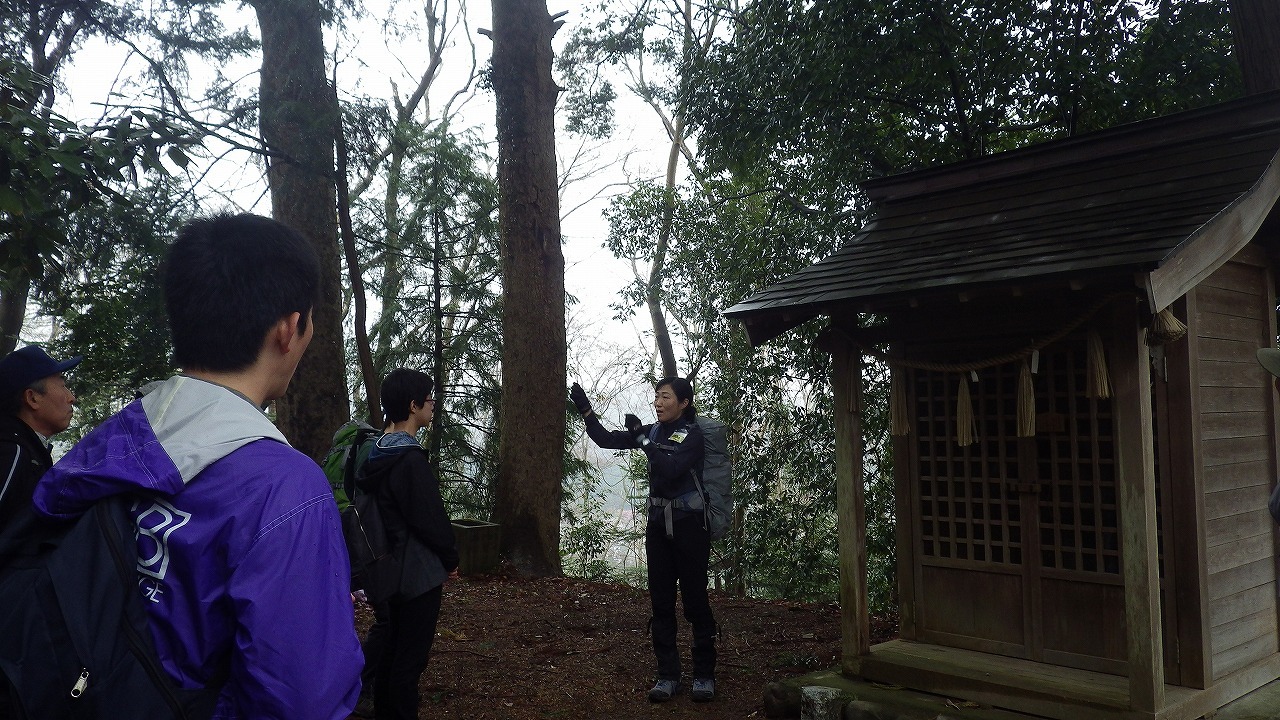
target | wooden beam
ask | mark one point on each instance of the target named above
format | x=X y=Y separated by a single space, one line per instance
x=1274 y=455
x=1046 y=690
x=1135 y=481
x=1184 y=480
x=855 y=618
x=1210 y=247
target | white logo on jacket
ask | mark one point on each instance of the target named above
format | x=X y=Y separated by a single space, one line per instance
x=155 y=523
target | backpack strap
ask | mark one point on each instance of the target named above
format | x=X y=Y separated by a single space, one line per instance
x=353 y=457
x=117 y=527
x=704 y=497
x=689 y=502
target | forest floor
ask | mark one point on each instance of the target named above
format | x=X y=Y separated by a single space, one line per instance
x=519 y=649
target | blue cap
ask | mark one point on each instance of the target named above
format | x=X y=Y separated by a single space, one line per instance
x=28 y=364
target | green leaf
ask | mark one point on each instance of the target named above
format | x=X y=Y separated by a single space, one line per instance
x=10 y=202
x=178 y=157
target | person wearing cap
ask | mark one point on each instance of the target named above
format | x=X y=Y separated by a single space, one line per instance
x=38 y=406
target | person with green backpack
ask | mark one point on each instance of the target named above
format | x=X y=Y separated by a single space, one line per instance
x=351 y=446
x=678 y=533
x=399 y=475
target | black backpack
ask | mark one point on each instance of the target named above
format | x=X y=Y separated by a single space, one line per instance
x=75 y=641
x=374 y=568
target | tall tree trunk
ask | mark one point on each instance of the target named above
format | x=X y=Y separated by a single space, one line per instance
x=532 y=434
x=391 y=288
x=653 y=289
x=1256 y=26
x=355 y=276
x=297 y=120
x=437 y=322
x=13 y=309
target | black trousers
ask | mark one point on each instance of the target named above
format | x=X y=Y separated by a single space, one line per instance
x=679 y=564
x=408 y=646
x=373 y=646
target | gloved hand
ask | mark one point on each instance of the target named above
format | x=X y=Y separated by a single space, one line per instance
x=633 y=425
x=579 y=398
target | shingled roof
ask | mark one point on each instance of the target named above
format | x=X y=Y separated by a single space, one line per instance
x=1170 y=199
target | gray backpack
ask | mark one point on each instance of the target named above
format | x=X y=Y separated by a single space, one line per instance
x=717 y=477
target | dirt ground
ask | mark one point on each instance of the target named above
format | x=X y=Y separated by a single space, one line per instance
x=514 y=649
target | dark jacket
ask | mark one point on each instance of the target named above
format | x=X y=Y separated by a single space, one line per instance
x=23 y=459
x=418 y=527
x=675 y=454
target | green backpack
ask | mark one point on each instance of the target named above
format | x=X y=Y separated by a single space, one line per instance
x=351 y=445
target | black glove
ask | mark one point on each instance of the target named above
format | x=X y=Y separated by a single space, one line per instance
x=580 y=401
x=633 y=425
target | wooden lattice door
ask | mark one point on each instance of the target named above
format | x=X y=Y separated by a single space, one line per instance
x=1016 y=541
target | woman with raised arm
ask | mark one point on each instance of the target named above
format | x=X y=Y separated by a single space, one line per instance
x=677 y=543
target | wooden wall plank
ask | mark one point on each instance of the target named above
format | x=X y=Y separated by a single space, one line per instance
x=1216 y=426
x=1232 y=528
x=1234 y=312
x=1214 y=399
x=1241 y=374
x=1226 y=327
x=1237 y=475
x=1245 y=629
x=987 y=606
x=1241 y=604
x=1241 y=552
x=1241 y=351
x=1241 y=656
x=1236 y=502
x=1229 y=582
x=1237 y=276
x=1070 y=605
x=1239 y=301
x=1235 y=450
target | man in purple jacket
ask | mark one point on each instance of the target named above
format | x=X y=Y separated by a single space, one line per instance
x=240 y=553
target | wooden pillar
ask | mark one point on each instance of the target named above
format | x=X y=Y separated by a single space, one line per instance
x=855 y=620
x=1135 y=481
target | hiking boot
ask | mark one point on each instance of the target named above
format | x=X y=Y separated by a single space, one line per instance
x=663 y=691
x=703 y=690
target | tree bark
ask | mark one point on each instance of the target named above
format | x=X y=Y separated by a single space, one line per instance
x=297 y=120
x=653 y=290
x=1256 y=26
x=355 y=276
x=13 y=309
x=532 y=411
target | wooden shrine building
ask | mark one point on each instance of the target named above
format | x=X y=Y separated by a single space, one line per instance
x=1081 y=493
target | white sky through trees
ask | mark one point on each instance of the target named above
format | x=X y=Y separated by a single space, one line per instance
x=372 y=61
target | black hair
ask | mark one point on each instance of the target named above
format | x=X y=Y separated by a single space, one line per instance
x=683 y=390
x=401 y=388
x=227 y=279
